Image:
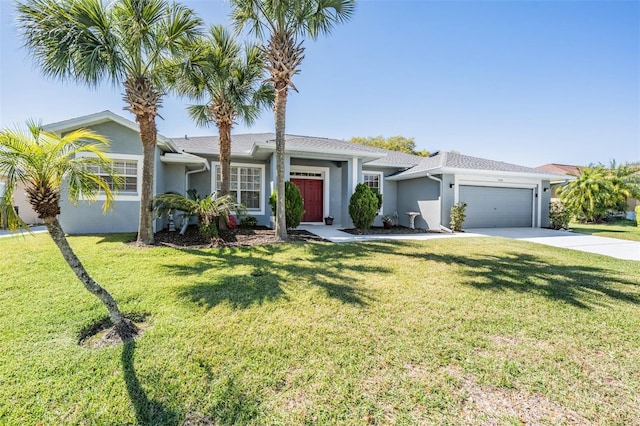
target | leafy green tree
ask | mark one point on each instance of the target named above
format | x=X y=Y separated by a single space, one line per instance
x=293 y=204
x=42 y=161
x=600 y=190
x=393 y=143
x=284 y=24
x=363 y=206
x=208 y=210
x=125 y=42
x=231 y=81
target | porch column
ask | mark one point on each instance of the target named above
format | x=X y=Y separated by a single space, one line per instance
x=352 y=175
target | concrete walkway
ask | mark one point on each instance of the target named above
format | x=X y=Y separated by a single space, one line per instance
x=619 y=249
x=613 y=247
x=335 y=235
x=34 y=230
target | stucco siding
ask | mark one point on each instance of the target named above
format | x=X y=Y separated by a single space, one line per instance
x=419 y=195
x=545 y=222
x=122 y=140
x=88 y=218
x=448 y=198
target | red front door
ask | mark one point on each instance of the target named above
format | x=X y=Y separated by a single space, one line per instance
x=311 y=191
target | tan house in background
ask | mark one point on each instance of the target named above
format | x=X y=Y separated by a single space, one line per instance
x=25 y=211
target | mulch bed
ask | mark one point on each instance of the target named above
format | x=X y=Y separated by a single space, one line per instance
x=239 y=237
x=395 y=230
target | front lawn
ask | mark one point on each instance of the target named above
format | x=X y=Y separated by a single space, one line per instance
x=622 y=229
x=446 y=331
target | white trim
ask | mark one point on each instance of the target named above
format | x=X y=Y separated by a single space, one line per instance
x=381 y=183
x=262 y=182
x=326 y=197
x=99 y=118
x=130 y=157
x=354 y=162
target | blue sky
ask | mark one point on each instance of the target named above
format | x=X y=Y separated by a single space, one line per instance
x=528 y=82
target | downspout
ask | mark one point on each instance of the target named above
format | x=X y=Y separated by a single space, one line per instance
x=185 y=222
x=441 y=184
x=186 y=176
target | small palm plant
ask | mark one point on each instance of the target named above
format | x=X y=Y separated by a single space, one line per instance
x=209 y=210
x=42 y=161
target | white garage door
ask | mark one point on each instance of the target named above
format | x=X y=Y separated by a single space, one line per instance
x=493 y=207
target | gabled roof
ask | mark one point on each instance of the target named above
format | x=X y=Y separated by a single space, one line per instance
x=99 y=118
x=453 y=162
x=260 y=145
x=561 y=169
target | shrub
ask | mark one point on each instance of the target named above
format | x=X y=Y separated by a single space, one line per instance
x=363 y=207
x=248 y=222
x=559 y=215
x=293 y=207
x=458 y=216
x=378 y=195
x=638 y=216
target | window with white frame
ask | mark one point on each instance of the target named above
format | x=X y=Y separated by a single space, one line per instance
x=374 y=181
x=128 y=172
x=246 y=183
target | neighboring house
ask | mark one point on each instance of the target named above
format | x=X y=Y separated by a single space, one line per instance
x=560 y=169
x=569 y=170
x=20 y=203
x=326 y=171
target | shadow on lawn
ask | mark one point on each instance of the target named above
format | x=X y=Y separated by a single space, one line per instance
x=147 y=412
x=320 y=265
x=578 y=285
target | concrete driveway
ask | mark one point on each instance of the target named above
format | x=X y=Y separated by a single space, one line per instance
x=620 y=249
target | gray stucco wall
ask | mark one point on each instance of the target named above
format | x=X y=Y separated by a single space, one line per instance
x=546 y=199
x=448 y=197
x=419 y=195
x=89 y=218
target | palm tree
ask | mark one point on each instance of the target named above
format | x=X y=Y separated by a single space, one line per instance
x=230 y=81
x=123 y=41
x=284 y=24
x=208 y=210
x=42 y=161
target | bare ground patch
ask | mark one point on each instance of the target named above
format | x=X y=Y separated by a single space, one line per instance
x=487 y=405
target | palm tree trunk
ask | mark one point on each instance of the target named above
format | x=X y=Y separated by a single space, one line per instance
x=148 y=135
x=224 y=132
x=125 y=328
x=280 y=110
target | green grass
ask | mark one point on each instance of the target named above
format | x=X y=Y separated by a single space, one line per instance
x=622 y=229
x=447 y=331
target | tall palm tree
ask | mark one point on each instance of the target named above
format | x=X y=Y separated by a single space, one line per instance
x=284 y=24
x=231 y=82
x=122 y=41
x=42 y=161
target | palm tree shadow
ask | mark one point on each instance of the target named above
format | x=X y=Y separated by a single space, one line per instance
x=218 y=279
x=579 y=285
x=148 y=412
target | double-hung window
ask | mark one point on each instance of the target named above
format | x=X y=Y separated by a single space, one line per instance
x=246 y=184
x=373 y=180
x=129 y=169
x=128 y=172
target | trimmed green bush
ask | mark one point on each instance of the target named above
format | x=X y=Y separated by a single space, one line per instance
x=638 y=216
x=294 y=209
x=378 y=195
x=559 y=215
x=363 y=207
x=248 y=222
x=458 y=216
